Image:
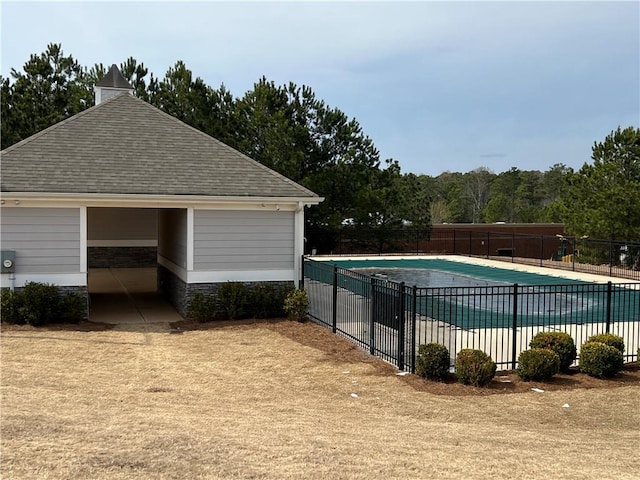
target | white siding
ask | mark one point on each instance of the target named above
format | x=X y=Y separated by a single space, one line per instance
x=172 y=236
x=243 y=240
x=46 y=240
x=122 y=226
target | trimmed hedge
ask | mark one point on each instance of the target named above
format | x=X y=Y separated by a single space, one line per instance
x=10 y=303
x=474 y=367
x=235 y=300
x=202 y=308
x=267 y=301
x=40 y=304
x=559 y=342
x=232 y=299
x=600 y=360
x=608 y=339
x=538 y=364
x=432 y=361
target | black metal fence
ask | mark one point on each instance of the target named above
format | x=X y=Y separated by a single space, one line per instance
x=390 y=319
x=604 y=257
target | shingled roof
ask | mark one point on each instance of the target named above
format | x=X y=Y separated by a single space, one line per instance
x=126 y=146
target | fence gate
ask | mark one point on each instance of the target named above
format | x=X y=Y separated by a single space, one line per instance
x=388 y=321
x=387 y=303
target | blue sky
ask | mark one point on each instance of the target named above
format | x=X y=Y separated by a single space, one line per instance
x=438 y=86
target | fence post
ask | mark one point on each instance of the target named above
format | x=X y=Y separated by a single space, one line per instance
x=401 y=328
x=488 y=237
x=609 y=288
x=454 y=242
x=541 y=248
x=414 y=305
x=513 y=245
x=372 y=318
x=514 y=342
x=573 y=255
x=470 y=243
x=611 y=255
x=334 y=313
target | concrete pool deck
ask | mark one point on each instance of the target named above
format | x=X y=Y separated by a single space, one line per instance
x=519 y=267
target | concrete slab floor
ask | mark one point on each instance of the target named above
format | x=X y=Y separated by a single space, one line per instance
x=127 y=296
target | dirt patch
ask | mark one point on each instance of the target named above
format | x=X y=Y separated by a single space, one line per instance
x=341 y=350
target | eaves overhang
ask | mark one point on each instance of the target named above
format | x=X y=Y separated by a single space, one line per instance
x=154 y=201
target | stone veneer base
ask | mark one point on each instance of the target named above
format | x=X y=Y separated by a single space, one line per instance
x=122 y=257
x=179 y=293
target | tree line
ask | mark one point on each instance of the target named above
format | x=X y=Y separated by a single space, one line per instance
x=287 y=128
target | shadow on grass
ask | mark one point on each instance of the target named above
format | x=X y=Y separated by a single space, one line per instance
x=47 y=332
x=82 y=326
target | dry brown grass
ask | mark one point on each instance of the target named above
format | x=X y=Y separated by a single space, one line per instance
x=273 y=400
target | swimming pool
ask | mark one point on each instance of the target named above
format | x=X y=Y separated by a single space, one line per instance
x=468 y=305
x=447 y=273
x=478 y=296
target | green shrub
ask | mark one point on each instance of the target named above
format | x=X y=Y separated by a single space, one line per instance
x=432 y=361
x=73 y=308
x=260 y=299
x=10 y=304
x=202 y=307
x=559 y=342
x=232 y=299
x=41 y=304
x=283 y=292
x=538 y=364
x=267 y=300
x=600 y=360
x=296 y=305
x=474 y=367
x=609 y=339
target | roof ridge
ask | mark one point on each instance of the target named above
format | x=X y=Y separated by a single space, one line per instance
x=67 y=120
x=242 y=155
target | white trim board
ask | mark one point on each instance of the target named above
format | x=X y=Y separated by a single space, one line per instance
x=298 y=243
x=83 y=239
x=122 y=243
x=177 y=270
x=32 y=199
x=59 y=279
x=221 y=276
x=190 y=238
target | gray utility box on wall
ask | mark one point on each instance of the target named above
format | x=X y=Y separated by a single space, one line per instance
x=8 y=263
